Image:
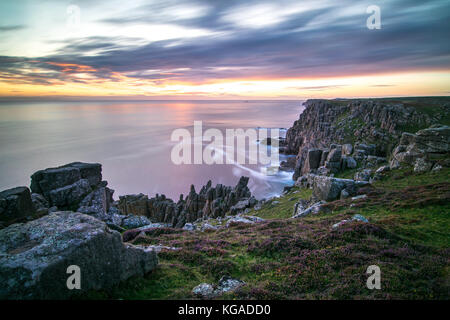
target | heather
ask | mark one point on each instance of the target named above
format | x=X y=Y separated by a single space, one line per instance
x=283 y=258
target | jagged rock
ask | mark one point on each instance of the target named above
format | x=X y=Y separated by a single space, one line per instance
x=135 y=204
x=430 y=145
x=34 y=257
x=15 y=205
x=209 y=202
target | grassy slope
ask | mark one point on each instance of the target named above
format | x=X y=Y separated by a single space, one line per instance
x=305 y=259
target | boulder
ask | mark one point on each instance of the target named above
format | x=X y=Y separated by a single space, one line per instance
x=239 y=219
x=209 y=291
x=204 y=290
x=43 y=181
x=189 y=227
x=35 y=256
x=67 y=185
x=422 y=165
x=132 y=222
x=356 y=217
x=301 y=211
x=15 y=205
x=228 y=284
x=329 y=188
x=429 y=145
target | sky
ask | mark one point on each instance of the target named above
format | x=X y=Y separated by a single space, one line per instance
x=223 y=49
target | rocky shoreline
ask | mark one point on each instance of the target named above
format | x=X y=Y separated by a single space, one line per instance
x=68 y=215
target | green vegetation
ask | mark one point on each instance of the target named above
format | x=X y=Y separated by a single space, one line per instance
x=284 y=208
x=281 y=258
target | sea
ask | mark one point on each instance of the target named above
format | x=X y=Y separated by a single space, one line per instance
x=132 y=141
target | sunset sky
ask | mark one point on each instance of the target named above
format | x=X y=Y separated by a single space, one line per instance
x=223 y=49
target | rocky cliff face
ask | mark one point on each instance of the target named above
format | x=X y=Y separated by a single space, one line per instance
x=368 y=122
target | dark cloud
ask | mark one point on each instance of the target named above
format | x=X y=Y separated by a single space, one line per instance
x=11 y=28
x=325 y=41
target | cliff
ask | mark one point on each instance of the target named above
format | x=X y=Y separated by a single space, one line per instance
x=376 y=121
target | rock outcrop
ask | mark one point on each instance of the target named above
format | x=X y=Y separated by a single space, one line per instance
x=209 y=202
x=328 y=188
x=364 y=127
x=34 y=257
x=15 y=205
x=423 y=150
x=66 y=186
x=75 y=186
x=209 y=291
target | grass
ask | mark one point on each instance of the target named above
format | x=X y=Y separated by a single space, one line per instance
x=281 y=258
x=284 y=209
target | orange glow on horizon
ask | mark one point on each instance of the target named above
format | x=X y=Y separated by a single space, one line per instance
x=82 y=81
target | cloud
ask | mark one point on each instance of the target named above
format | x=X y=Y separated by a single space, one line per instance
x=11 y=28
x=254 y=40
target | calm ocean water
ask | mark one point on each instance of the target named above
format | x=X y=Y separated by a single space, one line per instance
x=132 y=141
